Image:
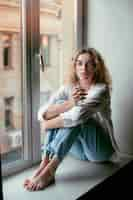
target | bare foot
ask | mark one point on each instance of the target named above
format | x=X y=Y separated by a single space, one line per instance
x=38 y=171
x=41 y=181
x=45 y=178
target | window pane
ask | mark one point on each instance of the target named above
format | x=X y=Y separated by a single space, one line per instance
x=10 y=82
x=57 y=45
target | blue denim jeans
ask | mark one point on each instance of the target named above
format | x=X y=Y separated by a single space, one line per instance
x=86 y=142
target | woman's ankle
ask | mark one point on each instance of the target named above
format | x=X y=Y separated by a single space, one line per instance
x=53 y=164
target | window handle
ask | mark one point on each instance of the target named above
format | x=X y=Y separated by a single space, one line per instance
x=41 y=61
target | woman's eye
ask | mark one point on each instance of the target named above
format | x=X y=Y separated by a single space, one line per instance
x=79 y=63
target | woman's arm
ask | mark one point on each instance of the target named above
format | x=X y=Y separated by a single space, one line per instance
x=56 y=109
x=96 y=99
x=73 y=116
x=56 y=122
x=52 y=108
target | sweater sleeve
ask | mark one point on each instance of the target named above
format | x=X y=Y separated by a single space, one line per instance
x=98 y=99
x=86 y=108
x=60 y=95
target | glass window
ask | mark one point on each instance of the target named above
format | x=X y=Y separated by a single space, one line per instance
x=57 y=45
x=10 y=83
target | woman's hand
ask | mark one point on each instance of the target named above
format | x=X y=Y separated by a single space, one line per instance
x=78 y=94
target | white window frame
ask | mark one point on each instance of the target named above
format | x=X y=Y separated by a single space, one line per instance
x=81 y=23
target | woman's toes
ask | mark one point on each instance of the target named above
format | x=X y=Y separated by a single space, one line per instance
x=29 y=186
x=34 y=186
x=38 y=187
x=27 y=181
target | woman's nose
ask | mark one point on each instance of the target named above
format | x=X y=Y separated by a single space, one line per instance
x=84 y=67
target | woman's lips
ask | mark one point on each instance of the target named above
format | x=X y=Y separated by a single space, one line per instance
x=83 y=74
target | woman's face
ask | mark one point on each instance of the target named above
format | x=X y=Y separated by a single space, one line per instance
x=84 y=67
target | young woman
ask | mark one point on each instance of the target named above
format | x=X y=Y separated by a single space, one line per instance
x=77 y=119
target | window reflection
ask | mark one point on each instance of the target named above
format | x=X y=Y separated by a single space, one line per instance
x=10 y=81
x=7 y=52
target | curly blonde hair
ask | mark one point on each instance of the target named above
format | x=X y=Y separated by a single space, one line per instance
x=101 y=73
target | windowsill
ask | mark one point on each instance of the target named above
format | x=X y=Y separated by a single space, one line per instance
x=11 y=155
x=73 y=179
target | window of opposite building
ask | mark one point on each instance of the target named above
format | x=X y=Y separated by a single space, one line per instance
x=8 y=101
x=7 y=52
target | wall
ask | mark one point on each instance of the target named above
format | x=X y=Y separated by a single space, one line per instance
x=109 y=29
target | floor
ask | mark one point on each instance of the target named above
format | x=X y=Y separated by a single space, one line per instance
x=73 y=178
